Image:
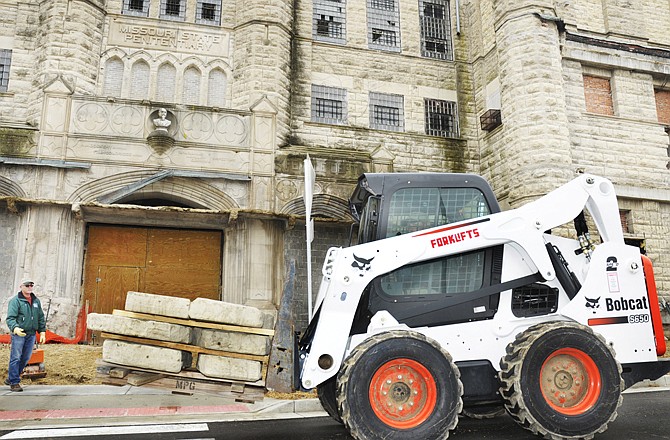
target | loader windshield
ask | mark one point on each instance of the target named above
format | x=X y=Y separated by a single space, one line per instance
x=414 y=209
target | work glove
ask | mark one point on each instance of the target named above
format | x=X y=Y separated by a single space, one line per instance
x=43 y=338
x=18 y=331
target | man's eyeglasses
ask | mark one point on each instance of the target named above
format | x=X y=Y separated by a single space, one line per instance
x=29 y=284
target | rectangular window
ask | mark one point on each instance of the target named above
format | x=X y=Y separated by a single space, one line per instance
x=598 y=95
x=441 y=118
x=138 y=8
x=208 y=12
x=384 y=25
x=5 y=64
x=328 y=21
x=329 y=105
x=387 y=112
x=662 y=106
x=173 y=9
x=435 y=29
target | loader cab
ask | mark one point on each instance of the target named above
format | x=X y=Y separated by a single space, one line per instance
x=392 y=204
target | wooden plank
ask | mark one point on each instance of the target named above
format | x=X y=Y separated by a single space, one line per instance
x=118 y=373
x=184 y=385
x=187 y=374
x=193 y=323
x=141 y=378
x=184 y=347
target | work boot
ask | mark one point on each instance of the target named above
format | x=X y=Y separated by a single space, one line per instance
x=15 y=387
x=7 y=382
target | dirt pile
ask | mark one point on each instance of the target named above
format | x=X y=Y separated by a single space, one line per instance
x=65 y=364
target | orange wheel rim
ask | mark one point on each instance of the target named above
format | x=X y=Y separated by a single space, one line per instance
x=403 y=393
x=570 y=381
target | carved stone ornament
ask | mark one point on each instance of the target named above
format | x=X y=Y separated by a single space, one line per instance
x=160 y=139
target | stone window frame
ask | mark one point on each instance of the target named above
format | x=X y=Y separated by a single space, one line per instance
x=130 y=7
x=383 y=17
x=441 y=118
x=435 y=30
x=662 y=101
x=169 y=7
x=209 y=6
x=5 y=66
x=329 y=19
x=598 y=87
x=329 y=105
x=387 y=111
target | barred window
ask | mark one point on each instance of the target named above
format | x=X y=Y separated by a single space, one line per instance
x=5 y=64
x=441 y=118
x=435 y=29
x=387 y=112
x=329 y=105
x=208 y=12
x=384 y=25
x=173 y=9
x=328 y=21
x=139 y=8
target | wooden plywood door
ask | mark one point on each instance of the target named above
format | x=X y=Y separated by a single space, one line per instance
x=174 y=262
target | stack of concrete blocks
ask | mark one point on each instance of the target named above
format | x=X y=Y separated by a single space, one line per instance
x=173 y=360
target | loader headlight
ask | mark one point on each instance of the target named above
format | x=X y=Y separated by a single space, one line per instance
x=325 y=361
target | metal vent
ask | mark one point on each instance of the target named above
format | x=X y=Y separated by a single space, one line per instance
x=534 y=300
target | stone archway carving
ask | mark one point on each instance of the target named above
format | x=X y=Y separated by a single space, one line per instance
x=187 y=191
x=323 y=205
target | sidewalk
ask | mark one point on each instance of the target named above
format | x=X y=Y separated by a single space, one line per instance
x=84 y=405
x=51 y=406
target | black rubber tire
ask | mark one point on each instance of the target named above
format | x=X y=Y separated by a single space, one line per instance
x=544 y=376
x=327 y=393
x=481 y=412
x=437 y=389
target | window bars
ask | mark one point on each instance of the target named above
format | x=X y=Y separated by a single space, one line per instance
x=387 y=112
x=138 y=8
x=384 y=25
x=5 y=64
x=329 y=105
x=329 y=20
x=441 y=118
x=208 y=12
x=173 y=10
x=435 y=29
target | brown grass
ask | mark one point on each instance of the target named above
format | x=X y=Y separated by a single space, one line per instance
x=76 y=365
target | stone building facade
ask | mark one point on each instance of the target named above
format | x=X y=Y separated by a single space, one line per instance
x=96 y=199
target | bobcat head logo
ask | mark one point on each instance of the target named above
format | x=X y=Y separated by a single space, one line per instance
x=362 y=264
x=592 y=303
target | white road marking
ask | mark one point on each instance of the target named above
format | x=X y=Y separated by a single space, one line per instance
x=105 y=430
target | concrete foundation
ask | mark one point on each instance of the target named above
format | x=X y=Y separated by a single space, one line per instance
x=157 y=304
x=203 y=309
x=229 y=368
x=145 y=356
x=231 y=341
x=122 y=325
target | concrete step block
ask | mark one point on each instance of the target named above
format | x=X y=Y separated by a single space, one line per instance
x=145 y=356
x=122 y=325
x=231 y=341
x=204 y=309
x=229 y=368
x=141 y=302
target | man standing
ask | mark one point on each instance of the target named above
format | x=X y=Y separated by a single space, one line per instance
x=24 y=317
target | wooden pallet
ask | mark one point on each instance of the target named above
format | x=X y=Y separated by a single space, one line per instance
x=186 y=382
